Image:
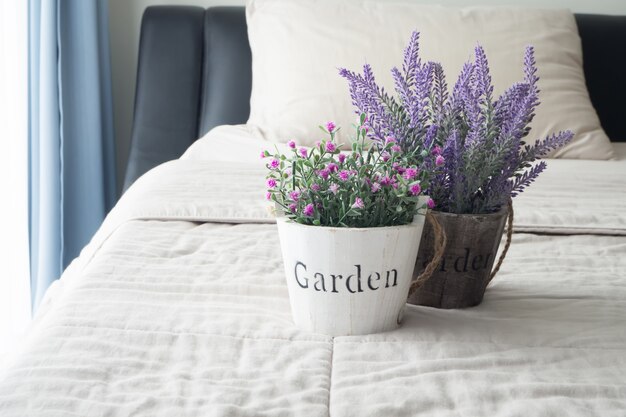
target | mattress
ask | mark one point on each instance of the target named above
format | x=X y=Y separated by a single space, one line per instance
x=179 y=306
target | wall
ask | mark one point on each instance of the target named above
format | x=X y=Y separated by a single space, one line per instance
x=125 y=21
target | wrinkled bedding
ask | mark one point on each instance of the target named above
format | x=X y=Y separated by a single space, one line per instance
x=179 y=306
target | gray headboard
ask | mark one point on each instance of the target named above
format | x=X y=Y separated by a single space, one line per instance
x=195 y=73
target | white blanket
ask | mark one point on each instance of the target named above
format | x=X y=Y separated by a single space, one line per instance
x=179 y=307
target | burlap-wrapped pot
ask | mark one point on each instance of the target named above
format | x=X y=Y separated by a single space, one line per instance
x=464 y=272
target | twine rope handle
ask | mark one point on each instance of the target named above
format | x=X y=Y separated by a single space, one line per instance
x=440 y=245
x=509 y=236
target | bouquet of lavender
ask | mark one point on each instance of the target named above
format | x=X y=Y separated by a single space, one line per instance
x=374 y=187
x=480 y=138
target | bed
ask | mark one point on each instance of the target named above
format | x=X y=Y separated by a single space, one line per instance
x=178 y=305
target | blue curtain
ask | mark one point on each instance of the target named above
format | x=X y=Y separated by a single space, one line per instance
x=71 y=142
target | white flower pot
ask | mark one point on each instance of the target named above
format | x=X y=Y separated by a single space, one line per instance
x=348 y=281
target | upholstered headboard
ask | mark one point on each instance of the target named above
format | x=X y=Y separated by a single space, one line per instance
x=195 y=73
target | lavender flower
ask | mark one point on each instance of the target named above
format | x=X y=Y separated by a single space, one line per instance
x=478 y=141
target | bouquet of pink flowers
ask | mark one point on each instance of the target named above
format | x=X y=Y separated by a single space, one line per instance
x=366 y=187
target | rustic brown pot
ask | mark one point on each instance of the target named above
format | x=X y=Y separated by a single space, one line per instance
x=464 y=272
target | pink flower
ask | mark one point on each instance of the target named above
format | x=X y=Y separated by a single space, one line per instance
x=334 y=188
x=317 y=143
x=315 y=187
x=293 y=207
x=330 y=126
x=436 y=150
x=291 y=144
x=400 y=169
x=385 y=180
x=430 y=203
x=344 y=175
x=294 y=195
x=410 y=173
x=271 y=183
x=390 y=139
x=268 y=196
x=375 y=187
x=303 y=152
x=332 y=167
x=396 y=148
x=330 y=147
x=308 y=210
x=342 y=158
x=358 y=203
x=324 y=173
x=415 y=189
x=386 y=156
x=440 y=160
x=274 y=164
x=262 y=154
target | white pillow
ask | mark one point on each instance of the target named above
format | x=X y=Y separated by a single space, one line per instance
x=298 y=46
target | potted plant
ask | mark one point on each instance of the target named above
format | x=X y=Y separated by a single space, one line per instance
x=480 y=142
x=350 y=225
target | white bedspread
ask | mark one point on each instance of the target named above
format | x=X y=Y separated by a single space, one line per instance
x=178 y=307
